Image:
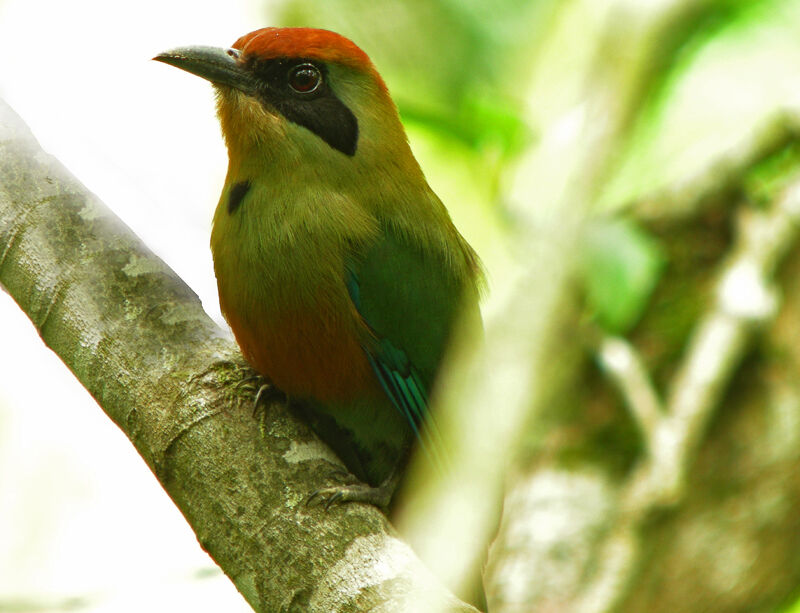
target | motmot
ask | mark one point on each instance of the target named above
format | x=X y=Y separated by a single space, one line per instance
x=339 y=270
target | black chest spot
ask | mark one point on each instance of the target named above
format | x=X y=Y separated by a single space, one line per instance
x=236 y=194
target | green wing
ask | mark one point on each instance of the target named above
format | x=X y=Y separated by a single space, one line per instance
x=410 y=298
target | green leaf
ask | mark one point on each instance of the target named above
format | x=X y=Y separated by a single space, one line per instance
x=772 y=175
x=621 y=266
x=478 y=124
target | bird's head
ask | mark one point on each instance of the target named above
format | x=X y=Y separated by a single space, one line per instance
x=309 y=94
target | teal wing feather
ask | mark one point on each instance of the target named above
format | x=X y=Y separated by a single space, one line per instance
x=409 y=299
x=403 y=385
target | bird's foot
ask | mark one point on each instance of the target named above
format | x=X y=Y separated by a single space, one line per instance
x=379 y=496
x=267 y=394
x=358 y=492
x=250 y=385
x=264 y=391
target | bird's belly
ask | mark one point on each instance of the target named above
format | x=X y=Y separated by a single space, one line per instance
x=306 y=351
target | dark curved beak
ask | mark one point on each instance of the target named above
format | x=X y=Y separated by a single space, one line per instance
x=220 y=66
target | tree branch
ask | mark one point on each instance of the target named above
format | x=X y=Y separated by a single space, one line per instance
x=720 y=180
x=137 y=338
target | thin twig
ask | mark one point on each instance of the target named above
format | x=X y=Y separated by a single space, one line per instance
x=622 y=362
x=723 y=177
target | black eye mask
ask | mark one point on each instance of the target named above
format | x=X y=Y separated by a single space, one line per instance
x=318 y=110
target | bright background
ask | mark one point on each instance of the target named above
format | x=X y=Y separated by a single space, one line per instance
x=84 y=525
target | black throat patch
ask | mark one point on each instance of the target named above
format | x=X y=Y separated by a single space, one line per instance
x=320 y=111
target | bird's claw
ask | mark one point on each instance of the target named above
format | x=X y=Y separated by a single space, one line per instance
x=358 y=492
x=247 y=384
x=328 y=496
x=265 y=393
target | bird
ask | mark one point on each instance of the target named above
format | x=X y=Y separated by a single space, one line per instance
x=339 y=270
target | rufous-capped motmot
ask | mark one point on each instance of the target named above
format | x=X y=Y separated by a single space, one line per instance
x=339 y=270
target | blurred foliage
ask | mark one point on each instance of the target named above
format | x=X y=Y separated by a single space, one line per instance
x=621 y=265
x=794 y=608
x=722 y=86
x=771 y=175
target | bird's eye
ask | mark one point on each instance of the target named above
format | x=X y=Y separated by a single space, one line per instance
x=305 y=78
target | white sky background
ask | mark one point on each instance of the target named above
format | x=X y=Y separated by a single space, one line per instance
x=81 y=516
